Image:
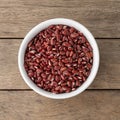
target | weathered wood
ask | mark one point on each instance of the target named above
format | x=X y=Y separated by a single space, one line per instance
x=9 y=75
x=101 y=17
x=108 y=76
x=90 y=105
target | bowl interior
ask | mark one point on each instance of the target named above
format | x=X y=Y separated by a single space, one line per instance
x=39 y=28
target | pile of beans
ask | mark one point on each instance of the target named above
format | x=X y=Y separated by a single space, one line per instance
x=58 y=59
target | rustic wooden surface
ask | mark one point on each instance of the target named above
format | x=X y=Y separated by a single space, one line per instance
x=90 y=105
x=108 y=76
x=101 y=101
x=102 y=17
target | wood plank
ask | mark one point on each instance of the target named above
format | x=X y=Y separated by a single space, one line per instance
x=9 y=73
x=108 y=76
x=90 y=105
x=101 y=17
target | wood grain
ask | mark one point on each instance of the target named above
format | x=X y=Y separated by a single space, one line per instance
x=108 y=76
x=90 y=105
x=101 y=17
x=9 y=74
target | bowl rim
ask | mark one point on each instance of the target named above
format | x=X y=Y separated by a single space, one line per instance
x=34 y=31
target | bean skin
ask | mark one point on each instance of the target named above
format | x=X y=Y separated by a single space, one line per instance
x=58 y=59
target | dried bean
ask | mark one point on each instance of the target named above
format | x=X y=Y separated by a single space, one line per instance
x=59 y=59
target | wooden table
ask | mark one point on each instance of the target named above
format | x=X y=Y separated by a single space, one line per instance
x=101 y=101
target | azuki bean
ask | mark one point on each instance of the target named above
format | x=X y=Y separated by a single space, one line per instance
x=58 y=59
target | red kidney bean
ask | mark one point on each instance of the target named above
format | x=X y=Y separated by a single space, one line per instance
x=58 y=59
x=74 y=35
x=72 y=30
x=58 y=88
x=69 y=83
x=30 y=73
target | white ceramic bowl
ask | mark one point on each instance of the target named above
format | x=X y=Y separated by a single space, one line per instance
x=34 y=32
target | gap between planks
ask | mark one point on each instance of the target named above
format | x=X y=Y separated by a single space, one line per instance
x=95 y=38
x=85 y=90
